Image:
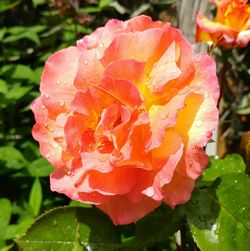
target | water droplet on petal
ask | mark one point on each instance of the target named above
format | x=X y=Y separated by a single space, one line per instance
x=101 y=45
x=61 y=102
x=47 y=95
x=85 y=61
x=43 y=107
x=150 y=191
x=190 y=163
x=58 y=82
x=47 y=155
x=198 y=123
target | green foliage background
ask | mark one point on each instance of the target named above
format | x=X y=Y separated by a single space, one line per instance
x=217 y=217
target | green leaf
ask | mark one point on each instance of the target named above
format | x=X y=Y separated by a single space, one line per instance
x=118 y=7
x=35 y=199
x=11 y=157
x=17 y=91
x=40 y=168
x=2 y=33
x=104 y=3
x=220 y=216
x=158 y=225
x=3 y=87
x=5 y=212
x=38 y=2
x=232 y=163
x=140 y=10
x=74 y=203
x=71 y=228
x=20 y=71
x=37 y=74
x=7 y=248
x=20 y=32
x=8 y=4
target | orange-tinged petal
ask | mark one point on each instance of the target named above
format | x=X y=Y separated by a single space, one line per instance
x=128 y=69
x=87 y=102
x=164 y=70
x=179 y=190
x=119 y=181
x=128 y=46
x=122 y=90
x=122 y=211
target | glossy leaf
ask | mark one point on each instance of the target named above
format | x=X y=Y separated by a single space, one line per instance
x=71 y=228
x=219 y=216
x=232 y=163
x=158 y=226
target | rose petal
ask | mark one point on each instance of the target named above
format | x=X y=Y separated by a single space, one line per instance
x=122 y=211
x=74 y=129
x=164 y=70
x=87 y=102
x=179 y=190
x=163 y=117
x=89 y=71
x=43 y=132
x=118 y=181
x=58 y=78
x=61 y=182
x=128 y=45
x=207 y=78
x=167 y=157
x=141 y=23
x=122 y=90
x=128 y=69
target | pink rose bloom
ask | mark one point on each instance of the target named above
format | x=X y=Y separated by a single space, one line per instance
x=124 y=116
